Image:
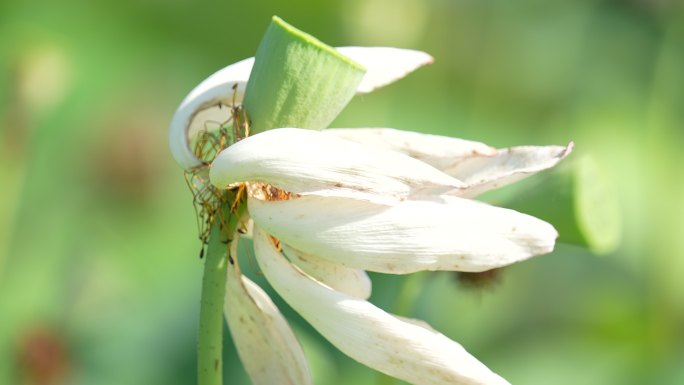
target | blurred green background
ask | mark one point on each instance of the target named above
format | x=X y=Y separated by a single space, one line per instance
x=99 y=268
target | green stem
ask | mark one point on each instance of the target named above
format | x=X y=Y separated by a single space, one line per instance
x=210 y=339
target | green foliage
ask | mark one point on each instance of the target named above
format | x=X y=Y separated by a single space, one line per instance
x=579 y=200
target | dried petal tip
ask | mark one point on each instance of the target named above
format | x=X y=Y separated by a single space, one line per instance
x=480 y=167
x=508 y=165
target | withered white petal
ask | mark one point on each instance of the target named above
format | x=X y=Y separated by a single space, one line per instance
x=450 y=234
x=267 y=347
x=354 y=282
x=203 y=103
x=480 y=167
x=309 y=162
x=508 y=165
x=384 y=65
x=439 y=151
x=368 y=334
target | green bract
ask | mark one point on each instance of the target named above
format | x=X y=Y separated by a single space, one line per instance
x=298 y=81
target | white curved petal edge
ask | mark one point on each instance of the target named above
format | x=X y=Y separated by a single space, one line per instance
x=309 y=162
x=205 y=99
x=384 y=65
x=353 y=282
x=265 y=343
x=368 y=334
x=436 y=150
x=479 y=166
x=508 y=165
x=448 y=233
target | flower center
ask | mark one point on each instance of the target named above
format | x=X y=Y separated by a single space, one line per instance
x=267 y=192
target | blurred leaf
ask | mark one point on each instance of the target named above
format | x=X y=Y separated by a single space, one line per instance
x=579 y=201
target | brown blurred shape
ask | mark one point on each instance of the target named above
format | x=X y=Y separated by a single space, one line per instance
x=42 y=358
x=483 y=280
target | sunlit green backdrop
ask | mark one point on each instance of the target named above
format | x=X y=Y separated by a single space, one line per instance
x=99 y=267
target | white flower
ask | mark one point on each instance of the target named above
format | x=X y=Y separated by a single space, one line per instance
x=342 y=201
